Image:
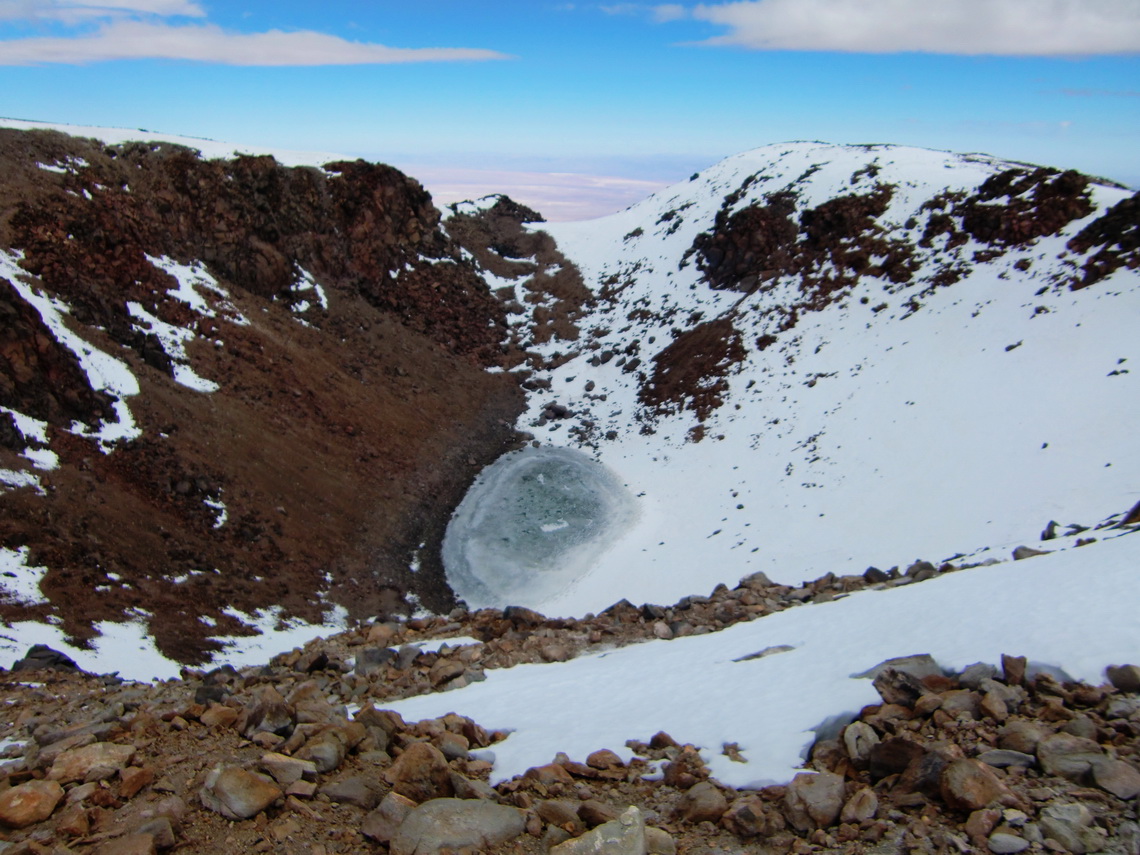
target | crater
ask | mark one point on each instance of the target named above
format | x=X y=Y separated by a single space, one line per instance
x=531 y=527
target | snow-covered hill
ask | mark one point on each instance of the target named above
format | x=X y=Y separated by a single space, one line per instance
x=913 y=370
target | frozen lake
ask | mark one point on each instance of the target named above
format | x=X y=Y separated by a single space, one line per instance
x=531 y=526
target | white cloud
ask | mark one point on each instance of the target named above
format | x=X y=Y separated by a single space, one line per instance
x=75 y=11
x=669 y=12
x=661 y=14
x=129 y=39
x=1002 y=27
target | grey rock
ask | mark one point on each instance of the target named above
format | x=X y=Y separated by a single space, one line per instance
x=1023 y=552
x=1068 y=756
x=814 y=800
x=859 y=738
x=455 y=823
x=1004 y=757
x=622 y=836
x=1003 y=843
x=236 y=793
x=1082 y=726
x=1071 y=826
x=862 y=806
x=383 y=823
x=356 y=790
x=659 y=842
x=973 y=675
x=373 y=659
x=1117 y=777
x=918 y=665
x=285 y=770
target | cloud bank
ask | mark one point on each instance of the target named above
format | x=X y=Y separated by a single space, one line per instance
x=964 y=27
x=134 y=29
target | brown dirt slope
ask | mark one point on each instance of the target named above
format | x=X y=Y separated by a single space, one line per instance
x=340 y=437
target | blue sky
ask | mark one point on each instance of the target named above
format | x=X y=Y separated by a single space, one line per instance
x=641 y=94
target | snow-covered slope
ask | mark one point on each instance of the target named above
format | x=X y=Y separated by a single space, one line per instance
x=942 y=395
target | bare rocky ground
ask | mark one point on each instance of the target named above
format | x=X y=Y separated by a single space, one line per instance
x=299 y=756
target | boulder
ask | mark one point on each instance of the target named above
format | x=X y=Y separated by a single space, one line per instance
x=236 y=793
x=29 y=803
x=421 y=773
x=751 y=816
x=814 y=800
x=1117 y=777
x=285 y=770
x=1004 y=843
x=1021 y=736
x=703 y=802
x=1126 y=678
x=861 y=807
x=442 y=824
x=969 y=785
x=95 y=762
x=622 y=836
x=859 y=738
x=356 y=790
x=382 y=823
x=1068 y=756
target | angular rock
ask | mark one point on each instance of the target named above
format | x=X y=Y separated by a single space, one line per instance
x=1117 y=777
x=133 y=779
x=1021 y=736
x=899 y=687
x=40 y=656
x=562 y=813
x=455 y=823
x=973 y=675
x=604 y=759
x=369 y=660
x=622 y=836
x=268 y=713
x=1013 y=669
x=703 y=802
x=751 y=816
x=1070 y=825
x=861 y=807
x=814 y=800
x=1002 y=758
x=382 y=823
x=969 y=785
x=356 y=790
x=285 y=770
x=95 y=762
x=1067 y=756
x=29 y=803
x=326 y=751
x=1003 y=843
x=892 y=756
x=421 y=773
x=659 y=842
x=859 y=738
x=236 y=793
x=981 y=824
x=920 y=666
x=595 y=813
x=1124 y=677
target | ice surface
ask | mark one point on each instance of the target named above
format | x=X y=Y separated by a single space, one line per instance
x=531 y=526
